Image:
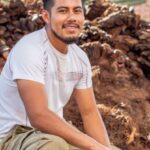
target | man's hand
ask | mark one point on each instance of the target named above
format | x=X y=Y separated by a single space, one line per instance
x=98 y=146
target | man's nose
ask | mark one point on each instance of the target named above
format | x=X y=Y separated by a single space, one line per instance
x=72 y=17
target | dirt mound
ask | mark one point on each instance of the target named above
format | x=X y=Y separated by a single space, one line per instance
x=124 y=103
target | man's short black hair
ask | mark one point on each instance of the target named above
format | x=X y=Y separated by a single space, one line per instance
x=48 y=4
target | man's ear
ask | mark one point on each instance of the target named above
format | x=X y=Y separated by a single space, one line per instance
x=45 y=16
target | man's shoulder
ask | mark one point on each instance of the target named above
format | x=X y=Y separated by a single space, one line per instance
x=31 y=38
x=80 y=53
x=32 y=41
x=29 y=46
x=75 y=47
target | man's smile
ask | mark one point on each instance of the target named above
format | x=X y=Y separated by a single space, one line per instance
x=71 y=27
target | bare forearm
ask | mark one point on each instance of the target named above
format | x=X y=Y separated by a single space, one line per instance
x=95 y=128
x=35 y=102
x=52 y=124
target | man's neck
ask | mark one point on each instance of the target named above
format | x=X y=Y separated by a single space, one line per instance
x=59 y=45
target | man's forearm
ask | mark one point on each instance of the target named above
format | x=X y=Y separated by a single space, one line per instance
x=50 y=123
x=35 y=102
x=95 y=127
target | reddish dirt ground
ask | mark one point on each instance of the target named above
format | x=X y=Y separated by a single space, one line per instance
x=124 y=102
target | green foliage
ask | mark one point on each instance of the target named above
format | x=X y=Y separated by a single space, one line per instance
x=86 y=2
x=128 y=2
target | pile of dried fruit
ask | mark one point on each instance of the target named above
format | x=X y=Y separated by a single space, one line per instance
x=17 y=18
x=119 y=27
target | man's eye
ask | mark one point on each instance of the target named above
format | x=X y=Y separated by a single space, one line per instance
x=63 y=11
x=78 y=10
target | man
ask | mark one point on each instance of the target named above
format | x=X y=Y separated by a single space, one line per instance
x=42 y=71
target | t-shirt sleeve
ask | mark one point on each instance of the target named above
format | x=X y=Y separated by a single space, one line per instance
x=27 y=63
x=86 y=79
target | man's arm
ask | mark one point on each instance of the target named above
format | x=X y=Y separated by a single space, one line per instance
x=36 y=104
x=92 y=120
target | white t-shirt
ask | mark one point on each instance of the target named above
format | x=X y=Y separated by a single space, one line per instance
x=34 y=58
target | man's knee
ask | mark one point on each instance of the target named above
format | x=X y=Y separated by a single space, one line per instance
x=115 y=148
x=57 y=143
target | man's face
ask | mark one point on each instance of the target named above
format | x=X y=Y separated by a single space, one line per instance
x=66 y=20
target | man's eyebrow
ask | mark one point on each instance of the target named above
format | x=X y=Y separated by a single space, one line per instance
x=65 y=7
x=62 y=7
x=78 y=7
